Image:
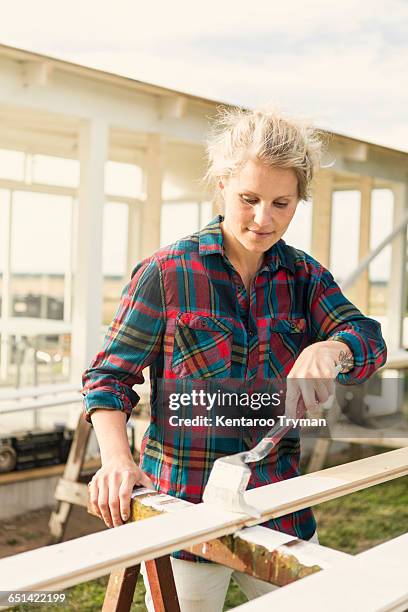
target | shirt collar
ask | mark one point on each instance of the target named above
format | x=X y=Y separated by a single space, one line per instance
x=211 y=241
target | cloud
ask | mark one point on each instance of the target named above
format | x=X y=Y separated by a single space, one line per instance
x=336 y=62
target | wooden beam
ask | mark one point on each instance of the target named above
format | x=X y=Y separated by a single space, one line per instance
x=46 y=471
x=264 y=553
x=397 y=286
x=361 y=289
x=72 y=492
x=63 y=565
x=321 y=216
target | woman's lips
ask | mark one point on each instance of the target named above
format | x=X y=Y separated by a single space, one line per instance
x=261 y=234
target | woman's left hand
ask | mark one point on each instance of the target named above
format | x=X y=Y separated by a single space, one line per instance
x=312 y=376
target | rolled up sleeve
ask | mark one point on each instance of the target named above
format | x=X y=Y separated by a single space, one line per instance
x=334 y=317
x=133 y=342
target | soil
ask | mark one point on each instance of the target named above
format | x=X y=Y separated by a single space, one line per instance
x=30 y=530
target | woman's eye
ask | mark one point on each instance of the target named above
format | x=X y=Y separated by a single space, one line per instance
x=248 y=200
x=281 y=204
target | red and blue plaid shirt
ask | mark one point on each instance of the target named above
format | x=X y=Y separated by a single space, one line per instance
x=185 y=313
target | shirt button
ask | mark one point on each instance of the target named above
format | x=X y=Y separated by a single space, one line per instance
x=251 y=333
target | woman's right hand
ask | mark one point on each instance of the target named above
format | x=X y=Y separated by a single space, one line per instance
x=111 y=488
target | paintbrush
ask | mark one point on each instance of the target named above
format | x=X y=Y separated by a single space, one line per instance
x=230 y=475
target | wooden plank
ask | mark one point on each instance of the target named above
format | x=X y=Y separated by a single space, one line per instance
x=38 y=391
x=391 y=438
x=373 y=581
x=46 y=471
x=98 y=554
x=327 y=484
x=322 y=194
x=355 y=587
x=362 y=285
x=264 y=553
x=72 y=492
x=41 y=402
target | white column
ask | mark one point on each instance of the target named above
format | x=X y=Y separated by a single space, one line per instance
x=151 y=217
x=134 y=236
x=362 y=288
x=397 y=286
x=6 y=292
x=87 y=302
x=321 y=216
x=69 y=272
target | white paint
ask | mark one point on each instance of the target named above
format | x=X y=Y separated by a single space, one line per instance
x=270 y=540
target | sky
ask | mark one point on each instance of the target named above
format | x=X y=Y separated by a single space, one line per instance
x=344 y=65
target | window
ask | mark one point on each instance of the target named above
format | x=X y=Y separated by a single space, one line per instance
x=123 y=179
x=55 y=171
x=299 y=232
x=114 y=256
x=345 y=233
x=382 y=209
x=178 y=219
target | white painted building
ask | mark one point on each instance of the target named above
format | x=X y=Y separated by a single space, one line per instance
x=79 y=134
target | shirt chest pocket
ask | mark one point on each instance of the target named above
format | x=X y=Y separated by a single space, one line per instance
x=202 y=346
x=287 y=339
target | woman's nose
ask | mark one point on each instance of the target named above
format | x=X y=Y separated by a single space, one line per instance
x=263 y=215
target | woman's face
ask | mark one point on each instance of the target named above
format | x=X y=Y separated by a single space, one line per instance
x=260 y=202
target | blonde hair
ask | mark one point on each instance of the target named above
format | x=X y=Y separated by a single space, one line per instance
x=263 y=134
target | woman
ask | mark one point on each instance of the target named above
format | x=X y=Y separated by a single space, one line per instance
x=231 y=301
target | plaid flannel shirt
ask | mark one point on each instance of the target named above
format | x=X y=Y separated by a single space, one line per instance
x=185 y=313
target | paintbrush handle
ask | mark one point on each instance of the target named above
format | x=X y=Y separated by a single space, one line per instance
x=274 y=435
x=267 y=443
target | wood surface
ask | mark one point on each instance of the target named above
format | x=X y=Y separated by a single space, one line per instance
x=69 y=563
x=373 y=581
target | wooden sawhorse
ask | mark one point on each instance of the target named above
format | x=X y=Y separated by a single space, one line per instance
x=122 y=583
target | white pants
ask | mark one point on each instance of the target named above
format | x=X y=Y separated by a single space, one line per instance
x=202 y=587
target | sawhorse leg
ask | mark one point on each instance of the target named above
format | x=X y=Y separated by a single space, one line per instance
x=73 y=467
x=122 y=584
x=319 y=455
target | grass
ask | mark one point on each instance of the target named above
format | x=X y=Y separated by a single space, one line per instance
x=352 y=524
x=361 y=520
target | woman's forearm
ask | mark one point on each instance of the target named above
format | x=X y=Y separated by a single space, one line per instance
x=110 y=430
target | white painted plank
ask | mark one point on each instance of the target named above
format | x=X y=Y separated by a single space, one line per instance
x=66 y=564
x=395 y=552
x=373 y=581
x=63 y=565
x=352 y=587
x=290 y=495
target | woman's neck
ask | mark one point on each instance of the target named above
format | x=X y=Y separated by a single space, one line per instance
x=245 y=261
